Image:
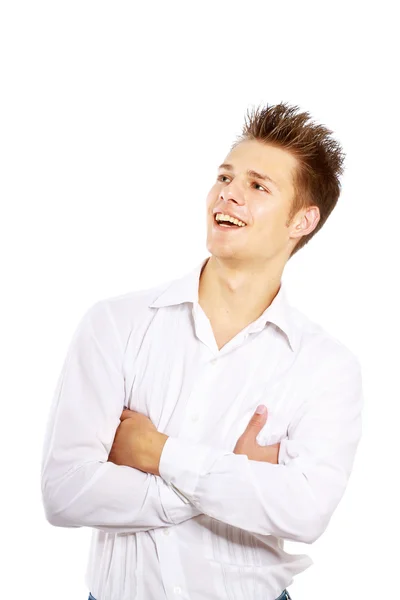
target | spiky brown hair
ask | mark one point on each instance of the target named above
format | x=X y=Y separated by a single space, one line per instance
x=320 y=157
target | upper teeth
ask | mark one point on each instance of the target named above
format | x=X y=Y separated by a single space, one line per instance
x=222 y=217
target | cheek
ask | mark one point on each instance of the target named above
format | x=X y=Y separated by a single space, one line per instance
x=272 y=223
x=209 y=199
x=213 y=193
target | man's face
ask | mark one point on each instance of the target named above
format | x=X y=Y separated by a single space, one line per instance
x=264 y=206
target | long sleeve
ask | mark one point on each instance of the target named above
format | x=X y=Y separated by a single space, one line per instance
x=79 y=487
x=295 y=498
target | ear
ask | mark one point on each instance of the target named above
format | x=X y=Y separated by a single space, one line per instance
x=305 y=222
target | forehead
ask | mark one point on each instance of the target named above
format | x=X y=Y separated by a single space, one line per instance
x=275 y=162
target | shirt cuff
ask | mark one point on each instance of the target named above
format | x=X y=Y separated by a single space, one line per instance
x=177 y=507
x=288 y=451
x=182 y=463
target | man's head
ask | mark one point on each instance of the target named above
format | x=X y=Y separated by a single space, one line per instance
x=282 y=213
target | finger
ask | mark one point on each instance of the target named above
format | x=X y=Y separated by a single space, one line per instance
x=127 y=414
x=257 y=421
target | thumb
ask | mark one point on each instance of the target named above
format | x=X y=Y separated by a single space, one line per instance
x=257 y=421
x=126 y=414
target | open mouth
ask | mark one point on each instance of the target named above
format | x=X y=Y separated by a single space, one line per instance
x=226 y=225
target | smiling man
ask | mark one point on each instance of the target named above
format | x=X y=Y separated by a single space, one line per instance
x=198 y=424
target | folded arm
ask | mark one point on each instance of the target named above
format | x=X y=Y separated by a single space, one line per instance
x=79 y=487
x=296 y=498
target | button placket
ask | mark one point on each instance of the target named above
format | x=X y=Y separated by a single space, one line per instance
x=170 y=562
x=197 y=402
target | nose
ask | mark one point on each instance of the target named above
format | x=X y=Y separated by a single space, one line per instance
x=232 y=192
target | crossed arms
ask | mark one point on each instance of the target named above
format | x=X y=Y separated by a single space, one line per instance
x=293 y=499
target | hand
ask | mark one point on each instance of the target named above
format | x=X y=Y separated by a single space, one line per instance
x=137 y=443
x=247 y=443
x=142 y=422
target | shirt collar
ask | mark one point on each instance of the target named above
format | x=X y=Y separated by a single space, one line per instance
x=186 y=289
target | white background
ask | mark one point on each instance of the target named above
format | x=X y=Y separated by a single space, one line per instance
x=114 y=117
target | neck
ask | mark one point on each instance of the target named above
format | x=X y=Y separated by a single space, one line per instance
x=237 y=293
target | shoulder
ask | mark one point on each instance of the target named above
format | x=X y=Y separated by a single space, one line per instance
x=318 y=347
x=124 y=312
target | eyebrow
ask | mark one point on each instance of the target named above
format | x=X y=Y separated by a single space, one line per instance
x=251 y=173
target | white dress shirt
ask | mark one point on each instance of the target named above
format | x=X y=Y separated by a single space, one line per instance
x=213 y=525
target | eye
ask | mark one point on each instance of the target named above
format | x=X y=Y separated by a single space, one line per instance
x=220 y=178
x=265 y=190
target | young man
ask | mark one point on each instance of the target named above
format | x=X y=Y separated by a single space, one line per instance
x=190 y=492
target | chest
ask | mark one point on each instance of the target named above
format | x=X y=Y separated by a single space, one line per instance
x=223 y=329
x=189 y=392
x=225 y=333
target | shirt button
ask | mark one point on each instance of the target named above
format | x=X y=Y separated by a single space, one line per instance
x=213 y=361
x=195 y=418
x=166 y=531
x=177 y=589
